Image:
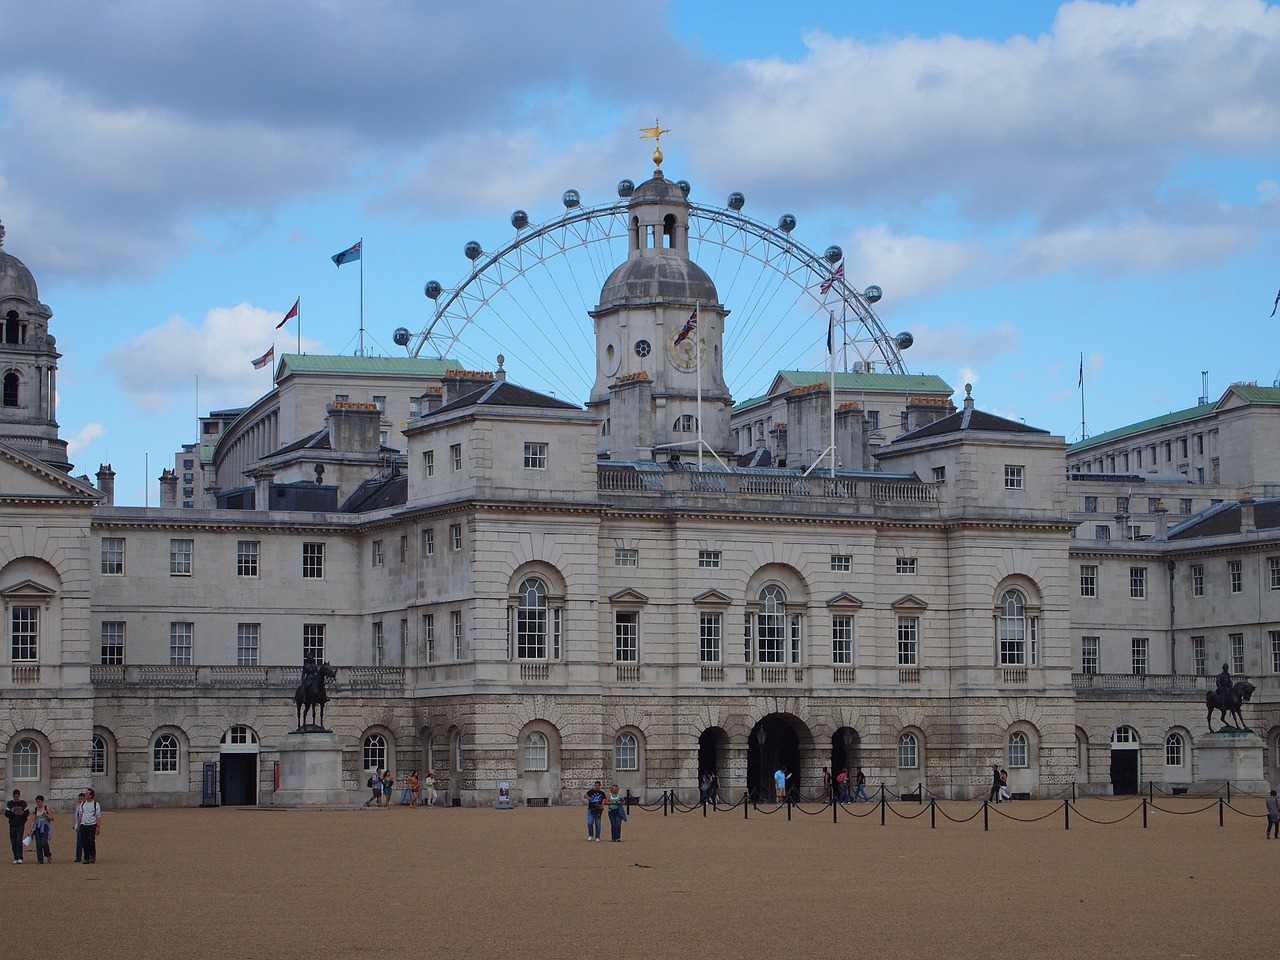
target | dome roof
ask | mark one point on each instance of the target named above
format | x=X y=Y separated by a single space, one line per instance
x=16 y=280
x=670 y=277
x=659 y=190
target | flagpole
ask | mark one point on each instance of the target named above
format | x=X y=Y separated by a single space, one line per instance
x=832 y=364
x=697 y=346
x=1083 y=434
x=299 y=323
x=362 y=296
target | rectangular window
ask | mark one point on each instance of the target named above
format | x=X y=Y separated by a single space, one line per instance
x=111 y=643
x=428 y=542
x=180 y=557
x=455 y=535
x=1138 y=583
x=380 y=403
x=626 y=636
x=535 y=456
x=377 y=553
x=1198 y=655
x=908 y=641
x=1122 y=504
x=626 y=557
x=797 y=645
x=1235 y=571
x=873 y=419
x=313 y=561
x=455 y=456
x=1140 y=650
x=1197 y=580
x=404 y=549
x=379 y=647
x=906 y=565
x=1088 y=580
x=1153 y=504
x=1090 y=504
x=180 y=644
x=113 y=556
x=1237 y=652
x=429 y=462
x=1089 y=654
x=842 y=639
x=247 y=644
x=1273 y=573
x=1275 y=651
x=1102 y=531
x=1012 y=477
x=429 y=636
x=841 y=562
x=1184 y=506
x=1182 y=448
x=455 y=618
x=710 y=631
x=313 y=642
x=939 y=474
x=26 y=634
x=709 y=559
x=247 y=558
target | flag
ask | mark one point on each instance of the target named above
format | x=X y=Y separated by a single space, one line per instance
x=690 y=327
x=293 y=312
x=347 y=255
x=831 y=281
x=263 y=360
x=1081 y=383
x=1276 y=304
x=831 y=332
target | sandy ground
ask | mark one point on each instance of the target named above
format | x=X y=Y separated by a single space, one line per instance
x=462 y=883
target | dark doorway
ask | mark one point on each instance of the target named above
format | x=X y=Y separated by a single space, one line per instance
x=238 y=779
x=774 y=743
x=846 y=751
x=713 y=751
x=1124 y=772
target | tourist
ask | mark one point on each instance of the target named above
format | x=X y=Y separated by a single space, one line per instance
x=617 y=813
x=842 y=785
x=595 y=807
x=90 y=825
x=75 y=826
x=415 y=788
x=41 y=829
x=1273 y=816
x=780 y=785
x=374 y=783
x=15 y=812
x=713 y=791
x=1004 y=786
x=430 y=785
x=995 y=784
x=861 y=792
x=387 y=783
x=826 y=785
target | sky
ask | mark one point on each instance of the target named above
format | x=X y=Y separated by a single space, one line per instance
x=1038 y=187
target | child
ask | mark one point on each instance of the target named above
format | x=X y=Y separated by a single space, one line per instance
x=41 y=828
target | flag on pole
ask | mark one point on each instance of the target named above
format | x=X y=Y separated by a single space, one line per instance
x=347 y=255
x=833 y=279
x=293 y=312
x=1081 y=382
x=831 y=332
x=263 y=360
x=1276 y=304
x=690 y=327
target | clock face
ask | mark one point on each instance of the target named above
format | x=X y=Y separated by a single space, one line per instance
x=684 y=355
x=643 y=348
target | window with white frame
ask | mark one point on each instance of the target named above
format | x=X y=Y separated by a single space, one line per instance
x=1088 y=579
x=379 y=646
x=180 y=552
x=25 y=760
x=905 y=566
x=1141 y=647
x=1273 y=573
x=1274 y=636
x=313 y=642
x=626 y=752
x=376 y=554
x=247 y=644
x=1090 y=504
x=908 y=751
x=164 y=754
x=710 y=634
x=842 y=639
x=532 y=620
x=709 y=559
x=1089 y=648
x=1198 y=655
x=1013 y=630
x=97 y=755
x=1237 y=652
x=1102 y=531
x=1019 y=755
x=455 y=456
x=455 y=622
x=113 y=556
x=429 y=542
x=1197 y=580
x=429 y=636
x=24 y=637
x=455 y=536
x=375 y=752
x=908 y=641
x=111 y=643
x=247 y=558
x=771 y=626
x=535 y=752
x=626 y=636
x=1174 y=750
x=626 y=557
x=180 y=639
x=841 y=562
x=429 y=462
x=1138 y=583
x=535 y=456
x=1235 y=573
x=313 y=561
x=1012 y=476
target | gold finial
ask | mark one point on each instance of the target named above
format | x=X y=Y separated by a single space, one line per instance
x=655 y=133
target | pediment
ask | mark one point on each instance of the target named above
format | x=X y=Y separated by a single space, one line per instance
x=712 y=598
x=844 y=601
x=628 y=597
x=29 y=590
x=23 y=477
x=909 y=602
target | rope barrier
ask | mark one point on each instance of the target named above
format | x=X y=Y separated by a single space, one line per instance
x=1009 y=816
x=1106 y=823
x=1184 y=813
x=902 y=816
x=967 y=819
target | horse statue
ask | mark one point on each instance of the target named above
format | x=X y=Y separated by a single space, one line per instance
x=1229 y=701
x=311 y=694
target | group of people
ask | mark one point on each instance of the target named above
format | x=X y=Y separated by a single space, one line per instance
x=86 y=821
x=597 y=802
x=381 y=783
x=999 y=784
x=846 y=788
x=709 y=789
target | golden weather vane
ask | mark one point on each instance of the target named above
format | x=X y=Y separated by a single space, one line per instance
x=655 y=133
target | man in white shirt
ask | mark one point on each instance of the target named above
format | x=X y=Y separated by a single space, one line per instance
x=90 y=825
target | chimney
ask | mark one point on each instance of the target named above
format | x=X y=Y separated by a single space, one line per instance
x=168 y=489
x=1246 y=513
x=1162 y=520
x=107 y=484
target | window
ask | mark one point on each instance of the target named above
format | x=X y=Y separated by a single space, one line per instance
x=404 y=549
x=11 y=384
x=111 y=642
x=25 y=639
x=379 y=648
x=535 y=752
x=1273 y=573
x=1235 y=571
x=531 y=621
x=113 y=556
x=1184 y=506
x=684 y=423
x=842 y=639
x=908 y=752
x=873 y=419
x=164 y=754
x=535 y=456
x=313 y=561
x=709 y=559
x=1237 y=652
x=247 y=644
x=908 y=641
x=710 y=632
x=1275 y=651
x=375 y=752
x=429 y=636
x=97 y=755
x=1138 y=583
x=939 y=474
x=1198 y=655
x=429 y=462
x=247 y=558
x=455 y=535
x=180 y=558
x=180 y=644
x=906 y=566
x=26 y=760
x=1012 y=477
x=626 y=636
x=341 y=397
x=1197 y=580
x=313 y=642
x=841 y=562
x=1141 y=647
x=380 y=403
x=1013 y=630
x=455 y=456
x=1173 y=750
x=1089 y=654
x=626 y=752
x=1088 y=580
x=377 y=553
x=1090 y=504
x=1182 y=448
x=455 y=618
x=1102 y=531
x=626 y=557
x=1018 y=753
x=429 y=542
x=771 y=626
x=1153 y=504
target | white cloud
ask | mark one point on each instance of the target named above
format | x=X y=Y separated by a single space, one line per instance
x=84 y=437
x=909 y=266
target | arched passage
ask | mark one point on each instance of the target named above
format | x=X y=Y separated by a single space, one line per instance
x=776 y=741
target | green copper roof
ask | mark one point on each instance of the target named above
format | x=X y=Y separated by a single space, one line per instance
x=1178 y=416
x=386 y=366
x=871 y=382
x=1253 y=393
x=748 y=404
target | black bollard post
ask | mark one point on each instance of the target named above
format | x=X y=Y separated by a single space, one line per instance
x=704 y=809
x=835 y=808
x=1066 y=815
x=664 y=802
x=788 y=808
x=919 y=793
x=745 y=806
x=883 y=803
x=1144 y=813
x=1151 y=790
x=985 y=823
x=1228 y=791
x=1219 y=811
x=933 y=814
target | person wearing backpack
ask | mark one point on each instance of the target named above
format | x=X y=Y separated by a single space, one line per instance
x=374 y=783
x=90 y=825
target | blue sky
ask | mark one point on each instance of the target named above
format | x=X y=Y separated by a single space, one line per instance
x=1028 y=181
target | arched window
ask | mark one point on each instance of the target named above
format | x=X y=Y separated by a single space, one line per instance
x=1013 y=630
x=771 y=626
x=14 y=329
x=457 y=752
x=10 y=389
x=685 y=423
x=531 y=620
x=1174 y=751
x=626 y=752
x=908 y=752
x=98 y=755
x=26 y=760
x=375 y=751
x=1018 y=754
x=164 y=754
x=535 y=752
x=1125 y=735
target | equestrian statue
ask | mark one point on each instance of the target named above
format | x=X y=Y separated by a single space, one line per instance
x=311 y=694
x=1226 y=697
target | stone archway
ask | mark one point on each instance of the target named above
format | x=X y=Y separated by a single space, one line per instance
x=777 y=740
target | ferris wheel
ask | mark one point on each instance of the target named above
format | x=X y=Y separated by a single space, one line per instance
x=529 y=298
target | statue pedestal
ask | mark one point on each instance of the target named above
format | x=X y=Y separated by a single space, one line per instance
x=1233 y=756
x=311 y=772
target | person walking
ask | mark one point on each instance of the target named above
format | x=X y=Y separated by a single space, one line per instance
x=595 y=808
x=826 y=785
x=90 y=825
x=41 y=830
x=374 y=783
x=1273 y=816
x=617 y=813
x=861 y=793
x=415 y=788
x=1004 y=786
x=16 y=813
x=780 y=785
x=995 y=784
x=430 y=786
x=387 y=783
x=713 y=791
x=75 y=826
x=842 y=785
